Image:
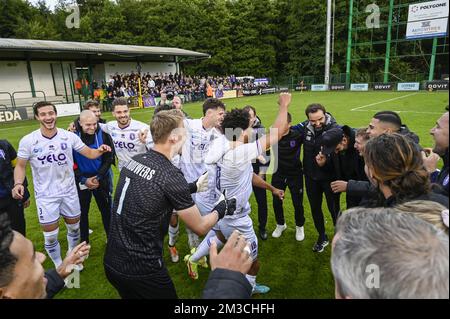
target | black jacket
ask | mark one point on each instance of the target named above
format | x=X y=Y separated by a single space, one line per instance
x=54 y=283
x=404 y=130
x=347 y=164
x=312 y=143
x=7 y=155
x=442 y=180
x=227 y=284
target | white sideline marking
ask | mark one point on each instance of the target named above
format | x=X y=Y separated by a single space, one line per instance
x=384 y=101
x=12 y=128
x=416 y=112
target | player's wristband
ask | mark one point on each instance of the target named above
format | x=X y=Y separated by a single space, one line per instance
x=193 y=187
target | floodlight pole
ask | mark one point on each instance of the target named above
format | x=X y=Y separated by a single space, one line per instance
x=388 y=43
x=349 y=45
x=433 y=60
x=328 y=43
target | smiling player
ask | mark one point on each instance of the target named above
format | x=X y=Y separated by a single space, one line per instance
x=50 y=153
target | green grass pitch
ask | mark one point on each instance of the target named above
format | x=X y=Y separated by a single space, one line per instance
x=288 y=267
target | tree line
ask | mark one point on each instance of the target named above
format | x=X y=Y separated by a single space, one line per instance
x=244 y=37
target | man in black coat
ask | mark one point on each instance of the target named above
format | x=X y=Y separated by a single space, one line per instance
x=359 y=186
x=318 y=169
x=340 y=144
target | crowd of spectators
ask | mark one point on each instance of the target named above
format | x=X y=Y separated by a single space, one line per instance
x=191 y=88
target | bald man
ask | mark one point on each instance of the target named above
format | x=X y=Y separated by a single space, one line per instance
x=92 y=176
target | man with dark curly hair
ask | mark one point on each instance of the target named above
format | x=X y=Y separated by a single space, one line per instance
x=234 y=175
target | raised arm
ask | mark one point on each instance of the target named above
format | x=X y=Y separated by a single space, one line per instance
x=277 y=129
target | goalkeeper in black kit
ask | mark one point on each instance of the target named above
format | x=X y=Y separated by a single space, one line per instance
x=149 y=189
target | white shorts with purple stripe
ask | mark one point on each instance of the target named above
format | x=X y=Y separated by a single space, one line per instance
x=50 y=209
x=244 y=225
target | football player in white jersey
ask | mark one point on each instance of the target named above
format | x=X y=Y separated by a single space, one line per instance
x=234 y=174
x=127 y=133
x=50 y=153
x=200 y=133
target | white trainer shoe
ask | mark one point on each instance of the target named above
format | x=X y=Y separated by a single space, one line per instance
x=299 y=233
x=279 y=230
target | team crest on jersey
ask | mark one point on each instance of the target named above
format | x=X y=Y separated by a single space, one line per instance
x=292 y=143
x=2 y=154
x=37 y=150
x=63 y=146
x=132 y=136
x=445 y=182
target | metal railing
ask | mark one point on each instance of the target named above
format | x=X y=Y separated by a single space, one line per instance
x=13 y=104
x=16 y=92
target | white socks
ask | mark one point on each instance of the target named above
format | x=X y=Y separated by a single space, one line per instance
x=173 y=234
x=251 y=280
x=203 y=248
x=52 y=246
x=192 y=238
x=73 y=235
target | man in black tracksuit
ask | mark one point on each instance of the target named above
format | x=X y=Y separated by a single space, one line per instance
x=340 y=144
x=93 y=176
x=8 y=205
x=289 y=173
x=318 y=169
